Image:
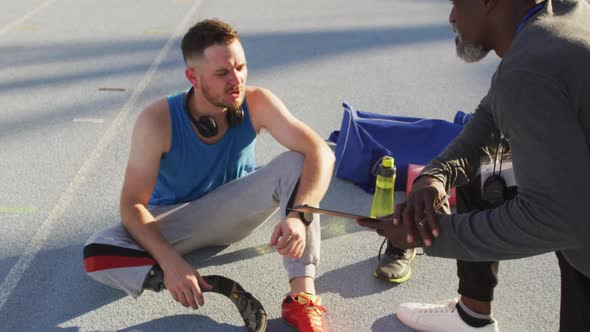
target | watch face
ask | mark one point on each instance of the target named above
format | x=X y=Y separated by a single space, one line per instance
x=308 y=217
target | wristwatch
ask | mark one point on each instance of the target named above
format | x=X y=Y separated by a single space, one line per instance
x=306 y=217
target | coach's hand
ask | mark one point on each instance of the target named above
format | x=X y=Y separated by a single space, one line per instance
x=397 y=234
x=184 y=283
x=289 y=237
x=417 y=213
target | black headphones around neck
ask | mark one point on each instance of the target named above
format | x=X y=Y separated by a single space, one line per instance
x=494 y=188
x=206 y=125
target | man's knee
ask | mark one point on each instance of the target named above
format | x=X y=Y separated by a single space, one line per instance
x=88 y=253
x=89 y=256
x=92 y=251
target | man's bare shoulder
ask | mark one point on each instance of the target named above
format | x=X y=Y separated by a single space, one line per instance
x=154 y=121
x=155 y=115
x=257 y=96
x=263 y=106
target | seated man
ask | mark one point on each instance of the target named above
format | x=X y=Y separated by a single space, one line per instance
x=190 y=183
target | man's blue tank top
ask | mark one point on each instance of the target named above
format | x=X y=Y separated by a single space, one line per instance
x=193 y=168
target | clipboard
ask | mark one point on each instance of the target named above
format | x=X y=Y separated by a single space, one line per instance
x=311 y=209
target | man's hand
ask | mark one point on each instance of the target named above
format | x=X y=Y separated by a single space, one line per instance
x=416 y=215
x=184 y=283
x=397 y=234
x=289 y=237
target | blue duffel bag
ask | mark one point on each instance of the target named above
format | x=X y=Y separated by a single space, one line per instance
x=364 y=138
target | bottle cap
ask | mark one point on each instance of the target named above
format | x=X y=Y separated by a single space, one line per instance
x=387 y=162
x=387 y=168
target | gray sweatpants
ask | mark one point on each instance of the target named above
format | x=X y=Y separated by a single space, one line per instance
x=223 y=216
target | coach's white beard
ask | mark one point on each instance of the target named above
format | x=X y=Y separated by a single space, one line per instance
x=468 y=51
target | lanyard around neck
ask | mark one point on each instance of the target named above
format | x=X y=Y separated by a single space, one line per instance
x=532 y=12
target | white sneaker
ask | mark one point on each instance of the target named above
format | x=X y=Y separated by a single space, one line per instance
x=437 y=318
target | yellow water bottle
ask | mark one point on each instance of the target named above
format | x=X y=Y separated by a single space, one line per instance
x=384 y=189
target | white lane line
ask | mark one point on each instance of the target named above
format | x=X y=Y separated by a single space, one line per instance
x=26 y=17
x=88 y=120
x=36 y=243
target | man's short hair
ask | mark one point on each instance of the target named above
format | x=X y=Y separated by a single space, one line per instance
x=204 y=34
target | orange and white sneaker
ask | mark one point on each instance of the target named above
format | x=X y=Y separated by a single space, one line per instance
x=304 y=312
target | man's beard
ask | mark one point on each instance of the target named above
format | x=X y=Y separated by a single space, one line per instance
x=219 y=101
x=468 y=51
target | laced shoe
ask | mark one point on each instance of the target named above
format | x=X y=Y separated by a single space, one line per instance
x=441 y=317
x=304 y=312
x=394 y=266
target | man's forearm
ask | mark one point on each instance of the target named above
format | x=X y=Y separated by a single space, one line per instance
x=518 y=228
x=315 y=178
x=141 y=224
